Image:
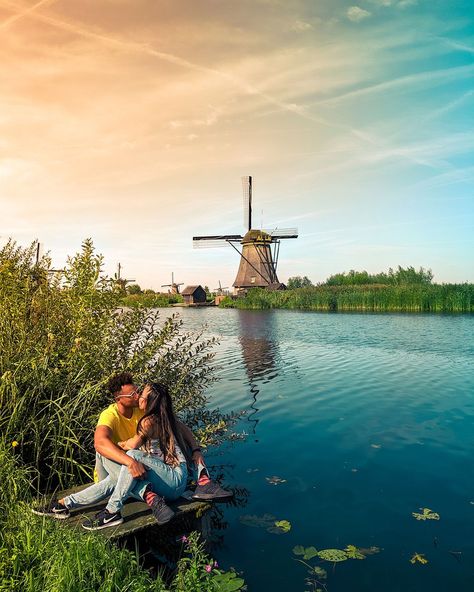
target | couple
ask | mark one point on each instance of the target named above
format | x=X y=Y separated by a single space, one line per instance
x=142 y=450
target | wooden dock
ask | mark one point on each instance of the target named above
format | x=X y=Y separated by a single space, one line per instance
x=137 y=516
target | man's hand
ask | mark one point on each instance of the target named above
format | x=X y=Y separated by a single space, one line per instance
x=137 y=469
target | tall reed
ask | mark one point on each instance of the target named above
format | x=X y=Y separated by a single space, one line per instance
x=448 y=298
x=61 y=337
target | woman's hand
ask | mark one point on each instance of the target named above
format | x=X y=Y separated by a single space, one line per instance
x=198 y=458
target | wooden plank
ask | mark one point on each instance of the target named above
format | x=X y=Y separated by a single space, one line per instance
x=137 y=515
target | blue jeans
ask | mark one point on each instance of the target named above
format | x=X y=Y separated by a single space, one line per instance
x=108 y=472
x=168 y=482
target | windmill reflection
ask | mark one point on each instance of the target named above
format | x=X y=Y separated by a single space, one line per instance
x=260 y=354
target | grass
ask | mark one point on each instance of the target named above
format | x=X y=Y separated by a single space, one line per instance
x=151 y=300
x=37 y=553
x=446 y=298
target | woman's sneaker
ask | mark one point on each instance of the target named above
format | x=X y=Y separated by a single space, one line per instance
x=211 y=491
x=103 y=519
x=53 y=509
x=161 y=511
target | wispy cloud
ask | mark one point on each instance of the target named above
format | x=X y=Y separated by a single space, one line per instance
x=411 y=81
x=357 y=14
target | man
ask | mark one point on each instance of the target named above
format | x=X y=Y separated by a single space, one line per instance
x=118 y=423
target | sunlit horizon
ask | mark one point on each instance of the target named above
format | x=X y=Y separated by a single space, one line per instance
x=132 y=123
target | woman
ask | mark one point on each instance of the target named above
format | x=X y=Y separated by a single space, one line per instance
x=159 y=445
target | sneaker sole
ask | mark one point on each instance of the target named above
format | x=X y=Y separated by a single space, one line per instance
x=108 y=525
x=161 y=522
x=211 y=497
x=58 y=516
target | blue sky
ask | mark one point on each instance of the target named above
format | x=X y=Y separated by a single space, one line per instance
x=131 y=122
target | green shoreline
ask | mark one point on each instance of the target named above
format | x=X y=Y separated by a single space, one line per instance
x=441 y=298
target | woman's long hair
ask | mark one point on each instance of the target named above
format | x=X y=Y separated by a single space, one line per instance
x=159 y=409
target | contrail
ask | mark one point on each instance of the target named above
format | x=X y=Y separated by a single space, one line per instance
x=25 y=12
x=115 y=43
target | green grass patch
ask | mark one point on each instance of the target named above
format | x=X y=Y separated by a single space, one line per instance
x=447 y=298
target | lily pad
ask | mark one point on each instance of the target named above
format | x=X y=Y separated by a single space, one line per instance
x=333 y=555
x=320 y=572
x=369 y=550
x=353 y=552
x=280 y=527
x=228 y=582
x=307 y=552
x=426 y=515
x=275 y=480
x=257 y=521
x=419 y=558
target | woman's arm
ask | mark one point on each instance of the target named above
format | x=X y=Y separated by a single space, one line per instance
x=131 y=443
x=190 y=440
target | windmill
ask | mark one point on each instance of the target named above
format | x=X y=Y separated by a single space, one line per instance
x=259 y=248
x=174 y=287
x=220 y=289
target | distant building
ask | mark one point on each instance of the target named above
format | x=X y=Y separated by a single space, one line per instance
x=193 y=295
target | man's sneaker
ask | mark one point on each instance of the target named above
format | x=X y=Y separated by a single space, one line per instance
x=161 y=511
x=103 y=519
x=211 y=491
x=53 y=509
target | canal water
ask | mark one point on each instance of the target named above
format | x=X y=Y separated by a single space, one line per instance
x=353 y=423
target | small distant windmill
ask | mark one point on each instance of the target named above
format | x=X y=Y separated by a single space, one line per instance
x=122 y=282
x=260 y=248
x=174 y=287
x=220 y=289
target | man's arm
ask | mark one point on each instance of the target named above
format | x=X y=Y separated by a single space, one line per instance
x=104 y=445
x=190 y=440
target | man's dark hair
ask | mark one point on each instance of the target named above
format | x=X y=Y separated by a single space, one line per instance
x=118 y=381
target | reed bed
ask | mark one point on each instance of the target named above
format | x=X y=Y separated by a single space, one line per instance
x=443 y=298
x=60 y=340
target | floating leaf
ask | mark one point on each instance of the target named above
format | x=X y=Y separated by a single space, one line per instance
x=320 y=572
x=257 y=521
x=419 y=558
x=427 y=514
x=228 y=582
x=369 y=550
x=280 y=527
x=299 y=550
x=333 y=555
x=376 y=446
x=353 y=552
x=308 y=552
x=275 y=480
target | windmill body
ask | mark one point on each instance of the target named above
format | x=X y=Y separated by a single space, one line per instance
x=259 y=249
x=174 y=287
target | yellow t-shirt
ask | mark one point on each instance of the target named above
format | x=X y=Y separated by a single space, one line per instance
x=122 y=427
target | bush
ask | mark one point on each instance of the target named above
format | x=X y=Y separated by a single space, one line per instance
x=61 y=337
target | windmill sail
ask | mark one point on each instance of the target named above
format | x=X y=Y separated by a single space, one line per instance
x=247 y=196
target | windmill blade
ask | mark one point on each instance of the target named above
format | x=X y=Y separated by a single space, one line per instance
x=247 y=195
x=279 y=233
x=220 y=240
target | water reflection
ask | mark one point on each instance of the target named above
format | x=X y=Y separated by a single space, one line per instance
x=260 y=355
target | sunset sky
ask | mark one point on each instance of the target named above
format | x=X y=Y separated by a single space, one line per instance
x=132 y=122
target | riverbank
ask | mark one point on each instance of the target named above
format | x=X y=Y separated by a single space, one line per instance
x=447 y=298
x=60 y=340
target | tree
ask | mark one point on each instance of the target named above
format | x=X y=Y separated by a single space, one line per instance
x=298 y=282
x=134 y=289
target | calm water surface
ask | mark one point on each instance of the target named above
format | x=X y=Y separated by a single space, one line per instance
x=367 y=418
